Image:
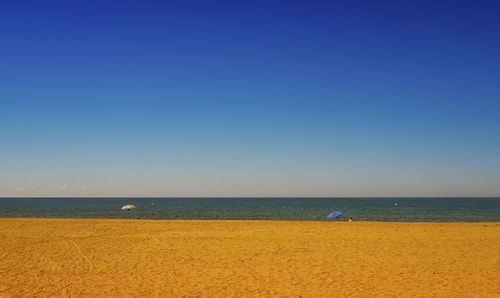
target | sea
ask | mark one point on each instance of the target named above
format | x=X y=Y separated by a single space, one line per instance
x=311 y=209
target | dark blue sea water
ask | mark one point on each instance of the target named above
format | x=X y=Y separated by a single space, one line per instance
x=372 y=209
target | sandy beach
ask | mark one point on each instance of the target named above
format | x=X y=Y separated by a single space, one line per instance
x=104 y=257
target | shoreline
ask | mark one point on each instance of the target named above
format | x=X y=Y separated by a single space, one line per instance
x=256 y=220
x=150 y=257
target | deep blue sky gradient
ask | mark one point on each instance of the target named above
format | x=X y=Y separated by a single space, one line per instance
x=257 y=98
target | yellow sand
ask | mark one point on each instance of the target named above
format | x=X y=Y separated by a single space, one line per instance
x=91 y=257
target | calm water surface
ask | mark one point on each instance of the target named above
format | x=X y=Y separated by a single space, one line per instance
x=374 y=209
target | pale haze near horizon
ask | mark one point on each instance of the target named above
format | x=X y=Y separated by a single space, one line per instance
x=249 y=181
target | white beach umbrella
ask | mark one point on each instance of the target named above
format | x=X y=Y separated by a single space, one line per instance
x=128 y=207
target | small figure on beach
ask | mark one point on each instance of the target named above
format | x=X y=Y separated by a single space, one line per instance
x=350 y=219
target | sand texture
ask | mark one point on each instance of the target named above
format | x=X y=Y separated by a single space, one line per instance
x=104 y=257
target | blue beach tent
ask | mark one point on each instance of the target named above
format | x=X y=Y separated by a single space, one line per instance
x=335 y=214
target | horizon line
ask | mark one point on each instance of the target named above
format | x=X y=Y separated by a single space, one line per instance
x=256 y=197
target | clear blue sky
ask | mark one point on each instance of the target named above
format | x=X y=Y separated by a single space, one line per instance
x=256 y=98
